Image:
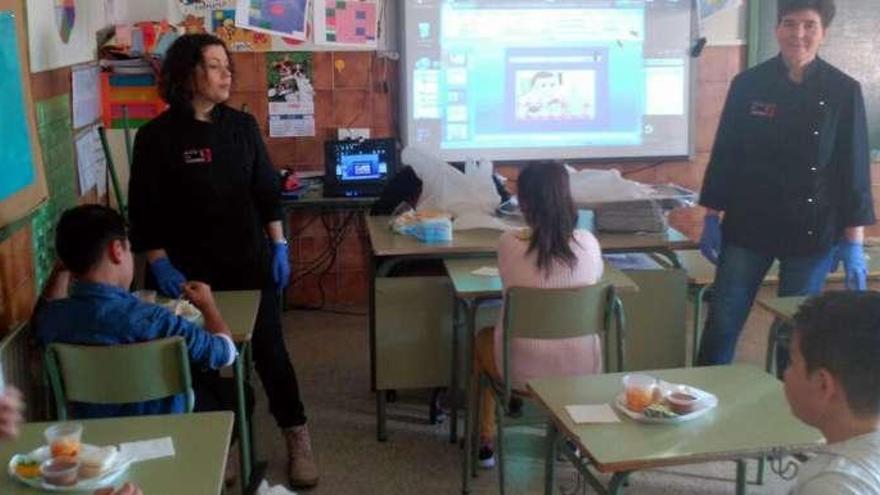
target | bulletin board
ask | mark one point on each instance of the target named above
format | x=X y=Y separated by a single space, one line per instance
x=22 y=181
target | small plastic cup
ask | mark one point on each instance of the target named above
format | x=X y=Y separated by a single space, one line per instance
x=64 y=439
x=639 y=390
x=146 y=295
x=60 y=471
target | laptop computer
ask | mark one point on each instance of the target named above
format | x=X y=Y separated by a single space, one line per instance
x=355 y=168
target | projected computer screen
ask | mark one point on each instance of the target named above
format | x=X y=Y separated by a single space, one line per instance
x=525 y=79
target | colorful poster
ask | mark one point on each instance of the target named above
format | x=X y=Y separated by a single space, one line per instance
x=65 y=37
x=291 y=94
x=346 y=22
x=286 y=18
x=218 y=17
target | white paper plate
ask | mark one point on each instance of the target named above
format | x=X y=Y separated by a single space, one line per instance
x=115 y=471
x=706 y=402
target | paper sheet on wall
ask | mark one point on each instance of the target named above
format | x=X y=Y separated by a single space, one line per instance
x=62 y=32
x=218 y=17
x=90 y=160
x=708 y=8
x=85 y=87
x=347 y=23
x=291 y=94
x=286 y=18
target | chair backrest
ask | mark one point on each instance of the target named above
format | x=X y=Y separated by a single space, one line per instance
x=559 y=314
x=119 y=374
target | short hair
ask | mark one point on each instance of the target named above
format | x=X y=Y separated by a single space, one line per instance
x=179 y=66
x=544 y=191
x=825 y=8
x=840 y=331
x=83 y=233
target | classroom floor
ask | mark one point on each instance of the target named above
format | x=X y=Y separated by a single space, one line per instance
x=331 y=355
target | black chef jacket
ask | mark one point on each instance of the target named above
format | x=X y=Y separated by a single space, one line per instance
x=204 y=192
x=790 y=165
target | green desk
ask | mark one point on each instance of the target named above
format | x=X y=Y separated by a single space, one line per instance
x=388 y=249
x=201 y=443
x=471 y=291
x=752 y=420
x=239 y=309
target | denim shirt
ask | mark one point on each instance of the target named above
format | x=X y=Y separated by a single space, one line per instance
x=100 y=314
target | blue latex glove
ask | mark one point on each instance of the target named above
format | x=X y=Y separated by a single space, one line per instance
x=168 y=278
x=852 y=255
x=710 y=240
x=280 y=265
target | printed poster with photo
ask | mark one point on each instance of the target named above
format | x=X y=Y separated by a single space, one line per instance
x=291 y=94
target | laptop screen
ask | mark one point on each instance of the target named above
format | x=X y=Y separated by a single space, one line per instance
x=359 y=166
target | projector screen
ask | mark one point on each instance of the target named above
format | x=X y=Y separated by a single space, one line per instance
x=547 y=79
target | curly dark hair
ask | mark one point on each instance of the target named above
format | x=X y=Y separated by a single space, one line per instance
x=545 y=198
x=840 y=332
x=179 y=67
x=825 y=8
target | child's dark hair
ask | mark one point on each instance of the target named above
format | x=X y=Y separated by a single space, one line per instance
x=179 y=67
x=545 y=196
x=82 y=235
x=825 y=9
x=840 y=331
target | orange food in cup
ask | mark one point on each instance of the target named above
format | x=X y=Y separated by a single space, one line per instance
x=637 y=399
x=64 y=448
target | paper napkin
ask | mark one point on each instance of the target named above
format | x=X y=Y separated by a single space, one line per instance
x=486 y=271
x=595 y=414
x=145 y=450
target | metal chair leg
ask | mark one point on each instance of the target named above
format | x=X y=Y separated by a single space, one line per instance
x=381 y=430
x=499 y=449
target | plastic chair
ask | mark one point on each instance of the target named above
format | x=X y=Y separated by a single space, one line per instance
x=548 y=314
x=119 y=374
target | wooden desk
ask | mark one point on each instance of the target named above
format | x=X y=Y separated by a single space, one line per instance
x=388 y=249
x=239 y=310
x=201 y=443
x=472 y=291
x=752 y=420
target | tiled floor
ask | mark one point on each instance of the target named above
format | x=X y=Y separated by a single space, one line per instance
x=331 y=355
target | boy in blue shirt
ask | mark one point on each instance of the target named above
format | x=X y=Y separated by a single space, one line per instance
x=92 y=243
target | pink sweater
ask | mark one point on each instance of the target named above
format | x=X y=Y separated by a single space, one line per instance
x=536 y=358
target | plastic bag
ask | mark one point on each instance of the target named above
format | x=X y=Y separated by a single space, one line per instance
x=470 y=197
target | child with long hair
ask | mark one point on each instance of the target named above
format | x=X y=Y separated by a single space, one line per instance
x=551 y=253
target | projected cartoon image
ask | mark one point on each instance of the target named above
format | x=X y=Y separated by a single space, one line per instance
x=555 y=94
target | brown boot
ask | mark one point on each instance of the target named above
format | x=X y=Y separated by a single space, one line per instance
x=302 y=470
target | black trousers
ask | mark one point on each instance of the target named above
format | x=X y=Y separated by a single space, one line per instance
x=273 y=363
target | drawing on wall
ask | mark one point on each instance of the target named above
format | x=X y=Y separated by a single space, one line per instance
x=22 y=186
x=65 y=16
x=346 y=22
x=65 y=38
x=218 y=17
x=278 y=17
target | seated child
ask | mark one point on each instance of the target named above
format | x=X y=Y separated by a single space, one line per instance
x=833 y=383
x=92 y=243
x=551 y=253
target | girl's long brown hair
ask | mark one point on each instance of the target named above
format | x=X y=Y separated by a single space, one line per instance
x=545 y=198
